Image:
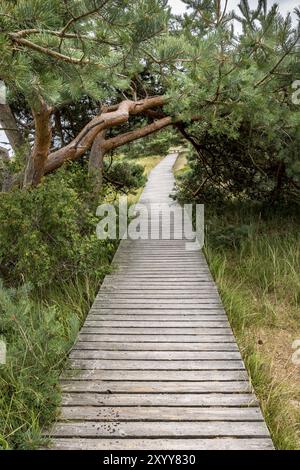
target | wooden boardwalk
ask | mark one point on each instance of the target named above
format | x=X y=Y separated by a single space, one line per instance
x=156 y=365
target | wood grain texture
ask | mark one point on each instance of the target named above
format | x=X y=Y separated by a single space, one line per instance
x=91 y=413
x=156 y=365
x=160 y=429
x=163 y=444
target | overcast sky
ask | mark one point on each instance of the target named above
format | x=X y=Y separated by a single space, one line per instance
x=284 y=5
x=178 y=7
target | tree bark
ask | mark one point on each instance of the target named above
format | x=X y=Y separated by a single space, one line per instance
x=41 y=162
x=8 y=123
x=96 y=161
x=123 y=139
x=101 y=146
x=35 y=168
x=86 y=137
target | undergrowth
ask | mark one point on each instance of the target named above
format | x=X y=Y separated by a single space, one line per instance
x=255 y=259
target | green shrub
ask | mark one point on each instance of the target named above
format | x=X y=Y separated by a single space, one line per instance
x=125 y=175
x=49 y=233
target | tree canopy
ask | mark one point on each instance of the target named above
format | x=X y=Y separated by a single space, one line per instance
x=109 y=62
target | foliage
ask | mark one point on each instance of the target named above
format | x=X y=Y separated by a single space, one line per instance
x=155 y=144
x=125 y=175
x=257 y=272
x=49 y=233
x=236 y=103
x=38 y=337
x=64 y=51
x=230 y=94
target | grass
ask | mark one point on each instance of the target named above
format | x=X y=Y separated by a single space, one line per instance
x=256 y=265
x=181 y=162
x=39 y=335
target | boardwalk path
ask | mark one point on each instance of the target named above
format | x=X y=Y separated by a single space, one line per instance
x=157 y=364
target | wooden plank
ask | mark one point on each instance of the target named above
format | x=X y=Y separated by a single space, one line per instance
x=153 y=308
x=178 y=264
x=157 y=324
x=158 y=304
x=162 y=284
x=150 y=306
x=156 y=331
x=110 y=346
x=205 y=310
x=127 y=288
x=151 y=317
x=133 y=295
x=155 y=355
x=100 y=386
x=160 y=429
x=161 y=277
x=162 y=271
x=159 y=375
x=164 y=444
x=91 y=413
x=178 y=339
x=157 y=365
x=152 y=282
x=163 y=399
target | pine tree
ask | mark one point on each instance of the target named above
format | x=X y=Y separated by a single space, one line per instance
x=248 y=139
x=114 y=60
x=54 y=52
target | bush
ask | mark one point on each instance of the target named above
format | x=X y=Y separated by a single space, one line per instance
x=243 y=167
x=49 y=233
x=126 y=176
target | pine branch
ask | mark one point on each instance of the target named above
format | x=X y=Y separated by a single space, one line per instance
x=27 y=32
x=271 y=72
x=50 y=52
x=85 y=138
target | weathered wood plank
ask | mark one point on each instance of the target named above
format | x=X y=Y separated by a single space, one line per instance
x=157 y=324
x=155 y=429
x=164 y=444
x=159 y=375
x=110 y=346
x=205 y=310
x=155 y=355
x=166 y=293
x=100 y=386
x=162 y=271
x=156 y=331
x=157 y=365
x=160 y=277
x=162 y=284
x=163 y=399
x=98 y=315
x=91 y=413
x=133 y=295
x=145 y=338
x=158 y=306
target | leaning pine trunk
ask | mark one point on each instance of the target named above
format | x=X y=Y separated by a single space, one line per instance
x=35 y=168
x=96 y=161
